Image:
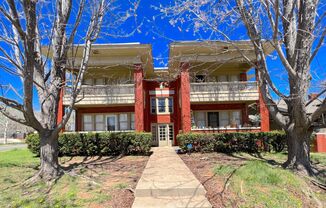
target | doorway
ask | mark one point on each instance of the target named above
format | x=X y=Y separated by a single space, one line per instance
x=162 y=135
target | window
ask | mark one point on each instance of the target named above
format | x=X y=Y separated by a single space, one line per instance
x=200 y=78
x=100 y=81
x=99 y=123
x=132 y=121
x=235 y=117
x=171 y=134
x=162 y=105
x=111 y=123
x=88 y=122
x=123 y=121
x=224 y=118
x=234 y=78
x=200 y=119
x=153 y=105
x=213 y=119
x=88 y=82
x=170 y=104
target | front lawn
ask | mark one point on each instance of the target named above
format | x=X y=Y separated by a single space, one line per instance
x=243 y=180
x=88 y=182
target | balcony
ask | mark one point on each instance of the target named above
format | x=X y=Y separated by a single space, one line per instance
x=223 y=91
x=103 y=95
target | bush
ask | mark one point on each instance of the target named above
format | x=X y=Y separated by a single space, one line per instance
x=234 y=142
x=100 y=144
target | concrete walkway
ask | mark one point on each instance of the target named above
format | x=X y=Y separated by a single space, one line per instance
x=7 y=147
x=167 y=182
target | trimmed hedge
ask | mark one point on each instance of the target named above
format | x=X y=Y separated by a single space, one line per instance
x=234 y=142
x=97 y=144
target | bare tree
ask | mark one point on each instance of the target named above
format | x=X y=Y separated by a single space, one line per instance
x=25 y=25
x=296 y=30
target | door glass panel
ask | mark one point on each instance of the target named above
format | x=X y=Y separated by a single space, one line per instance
x=162 y=133
x=171 y=132
x=111 y=123
x=154 y=136
x=213 y=119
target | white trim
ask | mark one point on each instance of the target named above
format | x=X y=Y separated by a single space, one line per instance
x=161 y=92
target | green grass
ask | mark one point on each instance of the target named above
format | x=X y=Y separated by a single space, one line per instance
x=261 y=185
x=319 y=158
x=18 y=165
x=223 y=170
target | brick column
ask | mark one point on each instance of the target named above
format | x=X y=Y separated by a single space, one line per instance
x=139 y=97
x=185 y=98
x=61 y=108
x=264 y=113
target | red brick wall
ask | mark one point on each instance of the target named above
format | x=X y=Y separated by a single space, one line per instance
x=162 y=118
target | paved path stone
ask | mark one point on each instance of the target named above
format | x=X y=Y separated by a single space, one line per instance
x=167 y=182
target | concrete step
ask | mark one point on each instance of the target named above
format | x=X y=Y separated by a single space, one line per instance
x=172 y=202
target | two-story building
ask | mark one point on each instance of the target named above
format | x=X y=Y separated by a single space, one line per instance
x=205 y=88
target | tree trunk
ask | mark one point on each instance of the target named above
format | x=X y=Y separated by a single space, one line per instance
x=50 y=168
x=299 y=150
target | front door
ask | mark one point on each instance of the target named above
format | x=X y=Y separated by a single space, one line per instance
x=162 y=134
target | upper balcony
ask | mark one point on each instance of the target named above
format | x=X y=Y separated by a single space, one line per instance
x=103 y=95
x=223 y=91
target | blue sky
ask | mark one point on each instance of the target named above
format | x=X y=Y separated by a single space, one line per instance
x=157 y=31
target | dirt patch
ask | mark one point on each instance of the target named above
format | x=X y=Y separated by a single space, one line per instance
x=109 y=181
x=216 y=186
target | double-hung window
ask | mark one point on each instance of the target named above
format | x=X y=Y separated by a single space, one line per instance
x=99 y=123
x=123 y=121
x=153 y=105
x=161 y=105
x=200 y=119
x=170 y=100
x=88 y=122
x=132 y=121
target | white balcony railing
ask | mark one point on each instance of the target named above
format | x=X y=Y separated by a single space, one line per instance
x=224 y=91
x=103 y=94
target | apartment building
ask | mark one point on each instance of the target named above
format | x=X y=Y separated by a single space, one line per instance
x=205 y=88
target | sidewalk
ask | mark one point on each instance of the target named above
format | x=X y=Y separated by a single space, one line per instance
x=7 y=147
x=167 y=182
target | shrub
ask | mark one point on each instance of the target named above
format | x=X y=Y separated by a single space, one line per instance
x=33 y=143
x=234 y=142
x=101 y=144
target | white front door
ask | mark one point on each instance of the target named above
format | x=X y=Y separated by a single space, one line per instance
x=162 y=134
